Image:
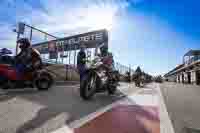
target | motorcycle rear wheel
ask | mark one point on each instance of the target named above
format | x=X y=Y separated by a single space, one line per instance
x=43 y=83
x=7 y=84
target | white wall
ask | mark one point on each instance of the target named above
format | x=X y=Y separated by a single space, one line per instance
x=193 y=77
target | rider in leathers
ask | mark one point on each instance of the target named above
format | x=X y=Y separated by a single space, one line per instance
x=107 y=58
x=28 y=59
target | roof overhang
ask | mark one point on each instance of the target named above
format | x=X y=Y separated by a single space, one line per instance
x=196 y=63
x=192 y=52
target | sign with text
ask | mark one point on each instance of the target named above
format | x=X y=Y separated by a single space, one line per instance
x=90 y=40
x=53 y=54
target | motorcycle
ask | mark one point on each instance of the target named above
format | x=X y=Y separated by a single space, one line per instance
x=137 y=83
x=99 y=77
x=137 y=80
x=9 y=77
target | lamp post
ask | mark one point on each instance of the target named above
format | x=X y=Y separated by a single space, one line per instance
x=18 y=35
x=19 y=30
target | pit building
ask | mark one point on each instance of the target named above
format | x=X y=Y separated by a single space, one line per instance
x=189 y=71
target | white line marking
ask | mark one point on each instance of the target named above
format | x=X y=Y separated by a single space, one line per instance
x=165 y=122
x=80 y=122
x=64 y=129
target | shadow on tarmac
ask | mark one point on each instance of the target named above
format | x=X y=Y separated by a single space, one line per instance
x=56 y=101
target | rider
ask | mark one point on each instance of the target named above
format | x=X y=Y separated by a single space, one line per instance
x=81 y=61
x=104 y=50
x=28 y=59
x=107 y=57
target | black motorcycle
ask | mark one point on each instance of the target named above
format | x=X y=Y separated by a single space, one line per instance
x=137 y=83
x=138 y=80
x=99 y=77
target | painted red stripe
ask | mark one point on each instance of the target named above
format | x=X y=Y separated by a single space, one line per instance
x=124 y=119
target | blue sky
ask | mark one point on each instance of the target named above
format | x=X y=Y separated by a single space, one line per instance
x=154 y=34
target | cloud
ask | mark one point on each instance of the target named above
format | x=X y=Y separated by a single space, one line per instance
x=7 y=38
x=70 y=17
x=59 y=17
x=132 y=39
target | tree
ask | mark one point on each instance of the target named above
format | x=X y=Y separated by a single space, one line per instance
x=141 y=75
x=137 y=74
x=138 y=70
x=159 y=79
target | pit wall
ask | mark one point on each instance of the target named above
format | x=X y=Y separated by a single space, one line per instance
x=60 y=73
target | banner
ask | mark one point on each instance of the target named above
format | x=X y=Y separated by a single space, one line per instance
x=90 y=40
x=53 y=54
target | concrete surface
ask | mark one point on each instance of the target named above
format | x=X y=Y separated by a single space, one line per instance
x=59 y=72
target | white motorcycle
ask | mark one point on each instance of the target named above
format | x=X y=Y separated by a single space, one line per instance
x=99 y=77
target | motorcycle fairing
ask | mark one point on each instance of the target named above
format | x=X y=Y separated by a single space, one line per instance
x=8 y=71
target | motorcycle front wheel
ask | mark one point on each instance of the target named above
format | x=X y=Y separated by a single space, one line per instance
x=88 y=86
x=112 y=90
x=137 y=84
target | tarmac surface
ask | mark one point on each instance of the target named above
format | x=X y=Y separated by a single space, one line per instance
x=142 y=110
x=32 y=111
x=183 y=105
x=60 y=109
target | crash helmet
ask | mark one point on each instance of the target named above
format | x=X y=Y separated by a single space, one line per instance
x=82 y=46
x=110 y=54
x=104 y=50
x=24 y=43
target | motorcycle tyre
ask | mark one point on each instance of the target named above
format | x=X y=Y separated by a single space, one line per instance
x=83 y=85
x=7 y=84
x=43 y=80
x=112 y=91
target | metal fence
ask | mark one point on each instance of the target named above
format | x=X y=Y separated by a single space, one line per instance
x=123 y=69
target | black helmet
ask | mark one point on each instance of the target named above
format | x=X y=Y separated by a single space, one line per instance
x=104 y=50
x=24 y=43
